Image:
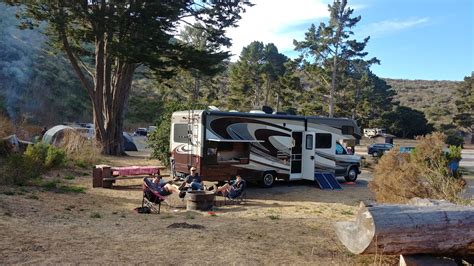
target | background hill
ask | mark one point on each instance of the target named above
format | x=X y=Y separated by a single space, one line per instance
x=436 y=99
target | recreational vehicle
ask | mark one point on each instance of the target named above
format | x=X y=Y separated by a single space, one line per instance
x=261 y=147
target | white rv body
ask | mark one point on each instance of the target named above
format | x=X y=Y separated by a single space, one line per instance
x=260 y=146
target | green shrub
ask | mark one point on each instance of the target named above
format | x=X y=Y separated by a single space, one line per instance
x=54 y=158
x=46 y=156
x=37 y=152
x=453 y=138
x=17 y=170
x=454 y=153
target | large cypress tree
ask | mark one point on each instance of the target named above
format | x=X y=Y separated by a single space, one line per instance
x=329 y=49
x=106 y=40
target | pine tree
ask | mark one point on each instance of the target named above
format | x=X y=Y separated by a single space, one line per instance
x=328 y=48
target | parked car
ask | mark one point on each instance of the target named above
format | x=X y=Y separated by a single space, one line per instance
x=378 y=149
x=405 y=149
x=140 y=132
x=347 y=164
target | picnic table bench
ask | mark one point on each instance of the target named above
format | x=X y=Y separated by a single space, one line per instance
x=104 y=175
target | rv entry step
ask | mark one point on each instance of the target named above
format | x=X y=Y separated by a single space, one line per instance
x=326 y=180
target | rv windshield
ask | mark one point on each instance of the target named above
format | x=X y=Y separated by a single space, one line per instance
x=340 y=149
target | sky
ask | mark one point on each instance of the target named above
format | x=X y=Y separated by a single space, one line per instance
x=413 y=39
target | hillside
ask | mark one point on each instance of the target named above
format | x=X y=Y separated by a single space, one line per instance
x=435 y=98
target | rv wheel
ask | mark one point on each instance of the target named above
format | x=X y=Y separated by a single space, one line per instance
x=268 y=179
x=352 y=174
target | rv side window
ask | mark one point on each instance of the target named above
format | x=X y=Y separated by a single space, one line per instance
x=323 y=141
x=347 y=130
x=309 y=142
x=180 y=133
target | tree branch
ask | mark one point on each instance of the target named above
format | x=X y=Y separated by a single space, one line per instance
x=75 y=65
x=86 y=68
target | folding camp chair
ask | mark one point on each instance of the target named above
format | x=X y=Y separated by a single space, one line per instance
x=151 y=197
x=241 y=198
x=236 y=199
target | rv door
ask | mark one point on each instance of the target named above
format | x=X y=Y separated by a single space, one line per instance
x=308 y=156
x=296 y=153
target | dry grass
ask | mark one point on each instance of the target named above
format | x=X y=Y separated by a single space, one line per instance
x=82 y=151
x=423 y=173
x=6 y=127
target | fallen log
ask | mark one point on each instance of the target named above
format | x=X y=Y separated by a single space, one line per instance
x=431 y=227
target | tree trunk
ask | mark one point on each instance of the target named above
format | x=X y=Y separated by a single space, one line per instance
x=441 y=228
x=112 y=85
x=333 y=85
x=109 y=121
x=110 y=91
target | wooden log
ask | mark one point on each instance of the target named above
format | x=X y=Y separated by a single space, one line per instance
x=395 y=229
x=425 y=260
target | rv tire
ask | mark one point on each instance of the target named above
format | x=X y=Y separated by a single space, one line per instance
x=352 y=174
x=268 y=179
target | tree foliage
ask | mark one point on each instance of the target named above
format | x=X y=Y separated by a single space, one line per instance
x=106 y=41
x=328 y=50
x=405 y=122
x=464 y=117
x=256 y=78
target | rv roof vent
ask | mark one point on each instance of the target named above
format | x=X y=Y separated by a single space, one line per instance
x=213 y=108
x=256 y=112
x=233 y=111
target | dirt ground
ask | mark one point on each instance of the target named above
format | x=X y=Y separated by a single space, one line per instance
x=291 y=223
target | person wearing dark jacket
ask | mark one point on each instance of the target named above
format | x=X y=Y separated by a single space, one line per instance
x=232 y=189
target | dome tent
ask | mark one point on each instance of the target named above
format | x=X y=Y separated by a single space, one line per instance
x=55 y=134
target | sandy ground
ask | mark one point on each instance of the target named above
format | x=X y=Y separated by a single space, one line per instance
x=291 y=223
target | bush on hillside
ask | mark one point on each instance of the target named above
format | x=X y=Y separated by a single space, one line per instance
x=424 y=173
x=454 y=138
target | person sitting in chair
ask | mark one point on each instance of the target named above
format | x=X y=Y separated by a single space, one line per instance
x=232 y=189
x=163 y=189
x=193 y=181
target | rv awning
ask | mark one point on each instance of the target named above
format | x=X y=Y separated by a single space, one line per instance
x=236 y=140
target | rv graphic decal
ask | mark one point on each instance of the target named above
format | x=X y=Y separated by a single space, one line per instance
x=275 y=139
x=182 y=149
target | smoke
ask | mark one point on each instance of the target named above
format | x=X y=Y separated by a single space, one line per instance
x=17 y=51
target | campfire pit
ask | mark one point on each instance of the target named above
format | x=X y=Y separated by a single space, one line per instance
x=199 y=200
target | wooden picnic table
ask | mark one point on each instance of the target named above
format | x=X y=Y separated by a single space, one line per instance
x=104 y=175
